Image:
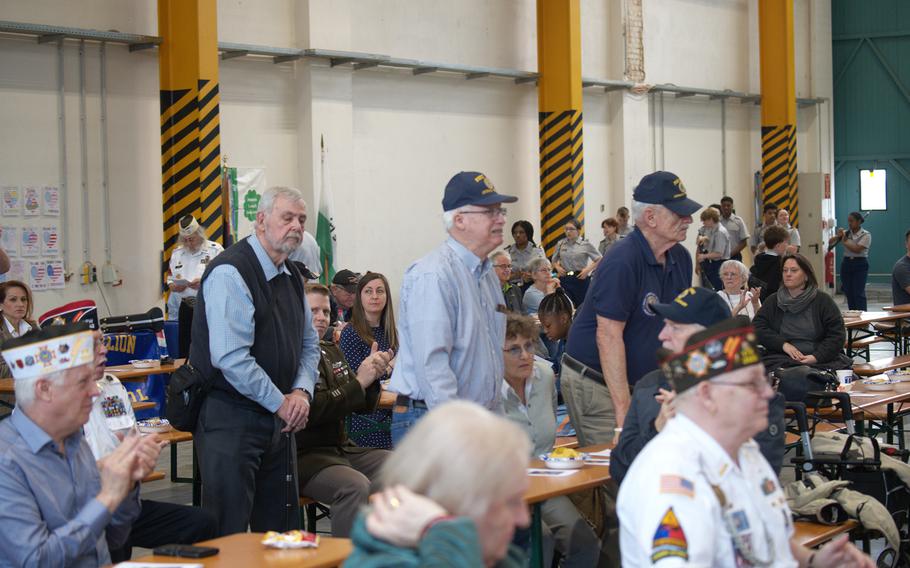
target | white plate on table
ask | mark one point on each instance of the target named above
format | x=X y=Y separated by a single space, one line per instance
x=878 y=383
x=564 y=463
x=145 y=363
x=852 y=313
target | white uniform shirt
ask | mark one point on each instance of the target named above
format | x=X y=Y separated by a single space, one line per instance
x=189 y=266
x=736 y=227
x=862 y=238
x=669 y=514
x=308 y=253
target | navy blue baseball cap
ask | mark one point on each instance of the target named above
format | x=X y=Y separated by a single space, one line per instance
x=472 y=188
x=695 y=305
x=665 y=188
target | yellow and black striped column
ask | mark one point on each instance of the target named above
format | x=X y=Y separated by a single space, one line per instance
x=190 y=134
x=778 y=105
x=559 y=118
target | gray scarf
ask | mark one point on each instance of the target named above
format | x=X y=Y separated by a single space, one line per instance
x=795 y=305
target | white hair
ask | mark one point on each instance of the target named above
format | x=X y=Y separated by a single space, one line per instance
x=267 y=201
x=538 y=263
x=25 y=388
x=448 y=217
x=732 y=263
x=637 y=210
x=490 y=450
x=500 y=254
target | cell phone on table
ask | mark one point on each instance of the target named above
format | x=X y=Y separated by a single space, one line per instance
x=185 y=551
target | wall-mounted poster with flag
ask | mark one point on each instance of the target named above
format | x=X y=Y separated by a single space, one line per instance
x=50 y=241
x=31 y=241
x=12 y=199
x=38 y=279
x=55 y=279
x=31 y=202
x=51 y=201
x=9 y=240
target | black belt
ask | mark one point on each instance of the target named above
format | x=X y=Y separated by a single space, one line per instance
x=582 y=369
x=406 y=401
x=855 y=258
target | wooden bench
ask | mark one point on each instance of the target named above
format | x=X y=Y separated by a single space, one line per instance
x=879 y=366
x=811 y=534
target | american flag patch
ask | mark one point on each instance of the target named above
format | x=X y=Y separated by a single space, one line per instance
x=677 y=485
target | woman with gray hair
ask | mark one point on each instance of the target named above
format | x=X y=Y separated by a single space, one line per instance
x=188 y=262
x=455 y=503
x=736 y=292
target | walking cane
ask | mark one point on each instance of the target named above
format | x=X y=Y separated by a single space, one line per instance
x=288 y=488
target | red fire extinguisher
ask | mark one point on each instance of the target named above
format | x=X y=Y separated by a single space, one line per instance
x=829 y=269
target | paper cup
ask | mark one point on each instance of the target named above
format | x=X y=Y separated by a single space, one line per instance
x=845 y=377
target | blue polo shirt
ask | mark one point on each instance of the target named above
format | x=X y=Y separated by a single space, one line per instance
x=629 y=279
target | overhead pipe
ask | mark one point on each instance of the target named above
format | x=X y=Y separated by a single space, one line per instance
x=61 y=150
x=105 y=173
x=83 y=139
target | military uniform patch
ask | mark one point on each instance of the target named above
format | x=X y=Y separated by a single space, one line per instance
x=669 y=539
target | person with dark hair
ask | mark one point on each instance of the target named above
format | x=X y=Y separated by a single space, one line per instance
x=610 y=227
x=622 y=218
x=523 y=251
x=555 y=315
x=332 y=468
x=900 y=276
x=766 y=265
x=799 y=324
x=372 y=321
x=736 y=227
x=854 y=268
x=529 y=401
x=769 y=219
x=574 y=260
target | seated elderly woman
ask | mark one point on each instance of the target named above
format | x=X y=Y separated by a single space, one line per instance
x=799 y=324
x=543 y=283
x=529 y=400
x=700 y=493
x=454 y=494
x=736 y=293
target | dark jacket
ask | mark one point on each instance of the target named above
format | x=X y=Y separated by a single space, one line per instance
x=513 y=295
x=638 y=429
x=830 y=333
x=324 y=441
x=767 y=268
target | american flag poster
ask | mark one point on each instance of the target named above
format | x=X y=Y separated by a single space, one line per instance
x=38 y=279
x=55 y=278
x=50 y=241
x=31 y=201
x=9 y=240
x=12 y=199
x=30 y=241
x=51 y=201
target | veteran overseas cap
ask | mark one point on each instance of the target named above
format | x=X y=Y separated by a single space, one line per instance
x=48 y=350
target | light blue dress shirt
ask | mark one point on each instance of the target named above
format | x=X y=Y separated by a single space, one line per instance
x=49 y=514
x=450 y=331
x=229 y=310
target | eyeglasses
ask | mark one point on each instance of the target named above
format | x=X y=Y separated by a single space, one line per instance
x=491 y=213
x=517 y=350
x=755 y=386
x=503 y=266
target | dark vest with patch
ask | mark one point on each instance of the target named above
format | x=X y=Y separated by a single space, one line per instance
x=278 y=324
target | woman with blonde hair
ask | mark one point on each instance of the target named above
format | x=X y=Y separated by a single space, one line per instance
x=449 y=504
x=16 y=308
x=372 y=321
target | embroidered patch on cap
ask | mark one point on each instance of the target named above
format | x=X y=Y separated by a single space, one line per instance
x=669 y=539
x=677 y=485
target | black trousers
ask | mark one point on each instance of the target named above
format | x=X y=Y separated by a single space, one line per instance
x=167 y=523
x=244 y=461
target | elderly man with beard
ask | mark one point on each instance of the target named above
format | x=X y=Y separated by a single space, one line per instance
x=253 y=339
x=452 y=323
x=701 y=493
x=188 y=262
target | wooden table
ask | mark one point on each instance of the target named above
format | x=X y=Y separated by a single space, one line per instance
x=898 y=308
x=857 y=326
x=543 y=488
x=130 y=374
x=245 y=550
x=811 y=534
x=881 y=407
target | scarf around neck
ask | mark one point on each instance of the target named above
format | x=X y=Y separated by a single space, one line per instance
x=795 y=305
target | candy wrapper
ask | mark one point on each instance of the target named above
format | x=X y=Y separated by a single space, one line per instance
x=290 y=539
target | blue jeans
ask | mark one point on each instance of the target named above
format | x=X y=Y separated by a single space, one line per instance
x=853 y=273
x=403 y=418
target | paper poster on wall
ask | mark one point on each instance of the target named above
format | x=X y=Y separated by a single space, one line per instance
x=55 y=279
x=11 y=200
x=30 y=241
x=50 y=241
x=17 y=270
x=9 y=240
x=31 y=202
x=51 y=202
x=38 y=273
